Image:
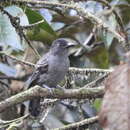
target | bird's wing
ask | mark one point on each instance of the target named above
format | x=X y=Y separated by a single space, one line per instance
x=41 y=68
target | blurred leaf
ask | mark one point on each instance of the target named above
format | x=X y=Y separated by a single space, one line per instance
x=89 y=111
x=92 y=6
x=97 y=104
x=128 y=1
x=9 y=36
x=100 y=57
x=124 y=12
x=40 y=36
x=35 y=17
x=18 y=12
x=57 y=25
x=7 y=70
x=46 y=14
x=107 y=36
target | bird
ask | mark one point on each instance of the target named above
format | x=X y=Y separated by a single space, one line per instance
x=50 y=70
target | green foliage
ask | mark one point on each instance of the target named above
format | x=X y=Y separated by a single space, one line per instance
x=97 y=104
x=42 y=30
x=101 y=58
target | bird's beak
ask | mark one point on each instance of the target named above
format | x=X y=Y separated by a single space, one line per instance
x=70 y=44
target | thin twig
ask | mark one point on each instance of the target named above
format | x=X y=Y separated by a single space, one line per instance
x=106 y=3
x=30 y=26
x=79 y=124
x=96 y=82
x=70 y=25
x=7 y=123
x=45 y=115
x=19 y=61
x=59 y=11
x=81 y=11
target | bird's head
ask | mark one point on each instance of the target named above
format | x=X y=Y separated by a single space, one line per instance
x=60 y=46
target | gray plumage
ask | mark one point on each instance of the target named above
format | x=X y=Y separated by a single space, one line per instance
x=50 y=70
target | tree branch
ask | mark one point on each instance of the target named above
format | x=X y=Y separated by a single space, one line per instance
x=74 y=70
x=19 y=61
x=36 y=91
x=88 y=71
x=5 y=123
x=80 y=123
x=82 y=12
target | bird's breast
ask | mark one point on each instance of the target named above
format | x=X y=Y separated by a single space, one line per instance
x=57 y=70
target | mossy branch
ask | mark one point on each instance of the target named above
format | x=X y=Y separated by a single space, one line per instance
x=36 y=91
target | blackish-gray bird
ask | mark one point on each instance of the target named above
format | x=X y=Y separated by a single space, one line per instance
x=50 y=70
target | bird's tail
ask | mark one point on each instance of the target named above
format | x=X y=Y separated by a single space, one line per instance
x=34 y=107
